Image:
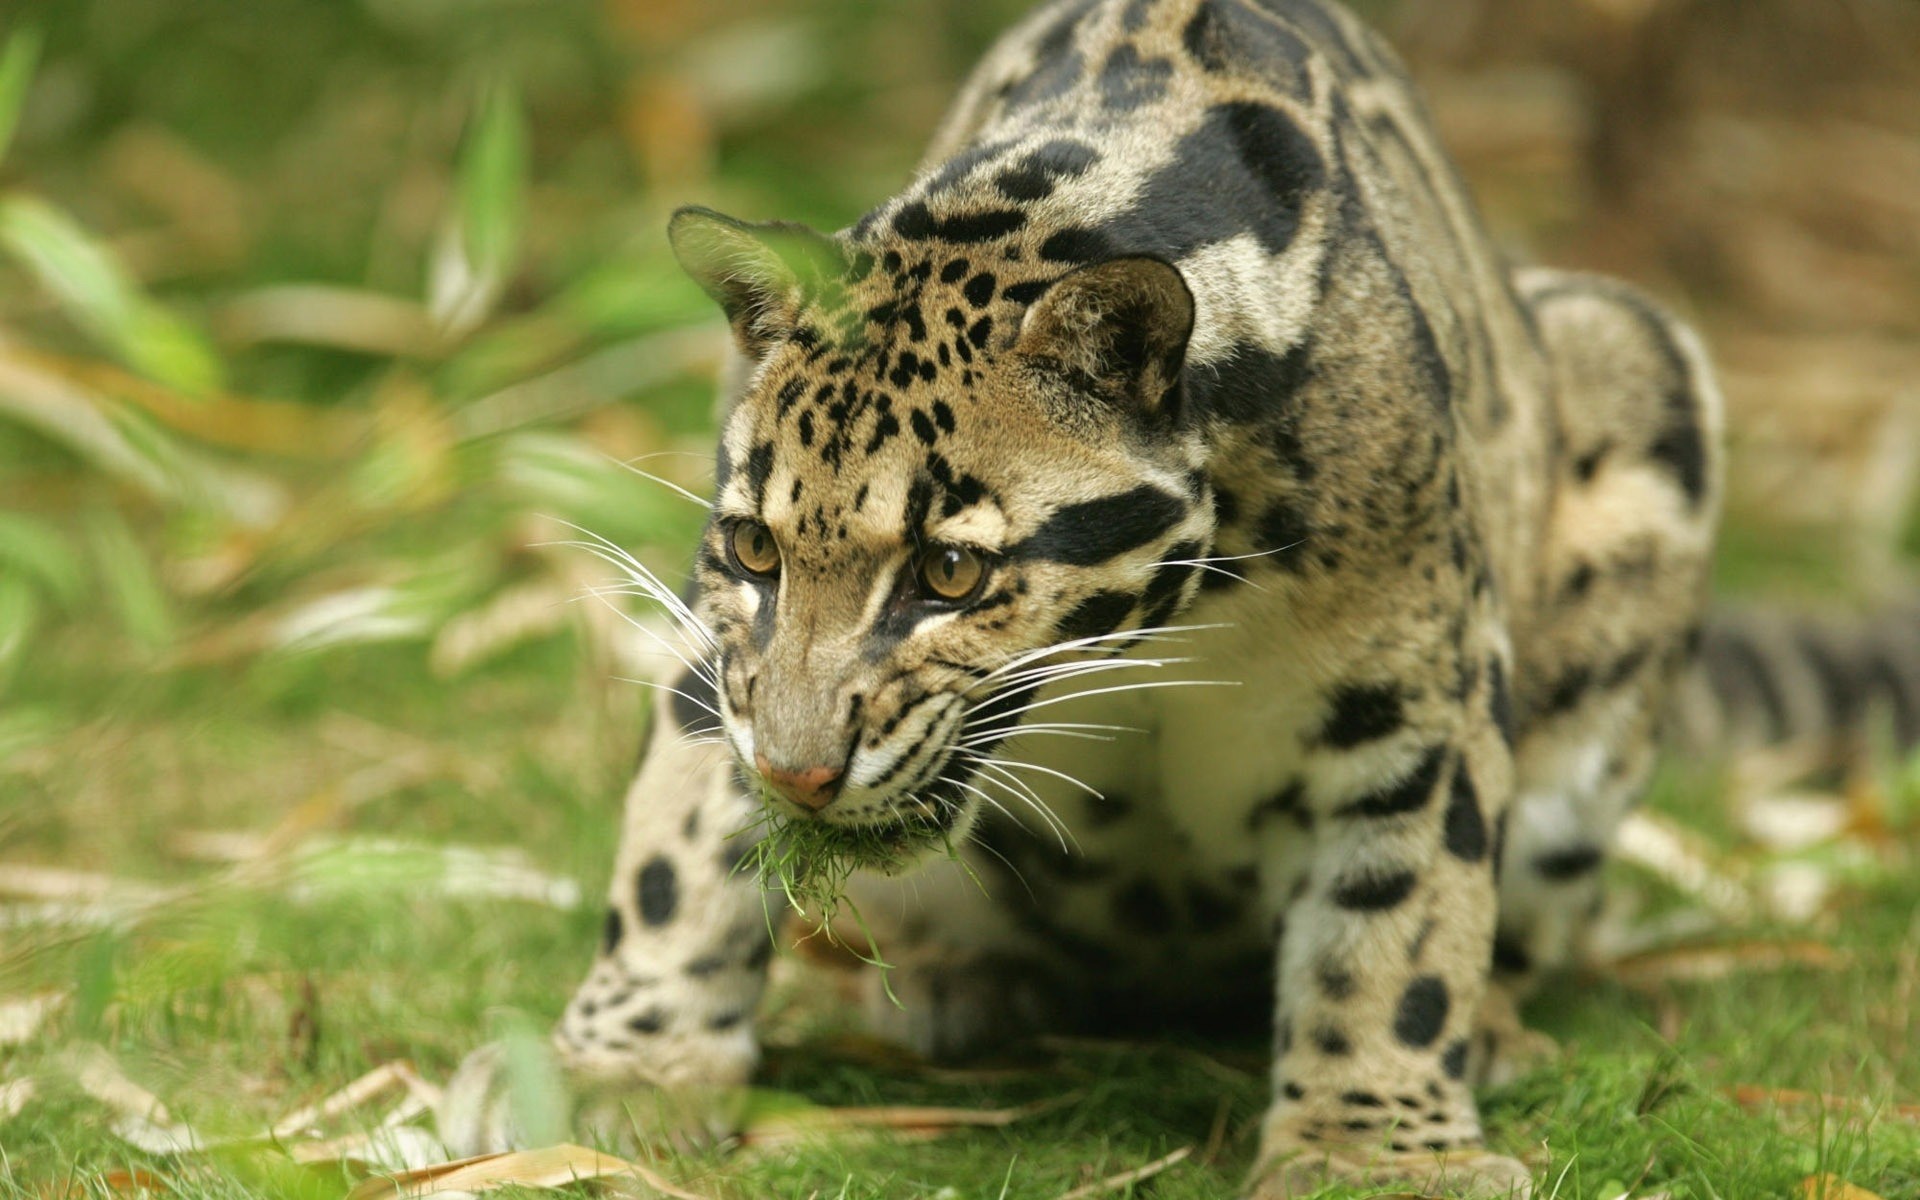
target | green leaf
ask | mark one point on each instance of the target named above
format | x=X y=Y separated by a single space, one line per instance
x=139 y=601
x=19 y=617
x=493 y=181
x=480 y=240
x=17 y=61
x=536 y=1091
x=38 y=550
x=100 y=296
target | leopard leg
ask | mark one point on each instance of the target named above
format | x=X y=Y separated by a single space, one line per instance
x=669 y=1001
x=1383 y=962
x=1623 y=577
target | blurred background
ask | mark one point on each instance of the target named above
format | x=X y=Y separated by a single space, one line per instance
x=321 y=323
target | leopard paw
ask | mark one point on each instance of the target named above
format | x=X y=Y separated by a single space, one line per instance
x=689 y=1101
x=1468 y=1173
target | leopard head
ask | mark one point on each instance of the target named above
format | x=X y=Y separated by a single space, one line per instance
x=941 y=471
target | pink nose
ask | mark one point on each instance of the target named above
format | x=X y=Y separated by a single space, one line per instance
x=813 y=788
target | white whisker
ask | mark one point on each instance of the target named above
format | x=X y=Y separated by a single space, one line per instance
x=665 y=483
x=1143 y=685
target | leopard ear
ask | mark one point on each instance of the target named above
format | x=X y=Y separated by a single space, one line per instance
x=1118 y=328
x=762 y=276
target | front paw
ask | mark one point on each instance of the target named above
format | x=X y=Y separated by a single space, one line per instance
x=506 y=1098
x=1467 y=1173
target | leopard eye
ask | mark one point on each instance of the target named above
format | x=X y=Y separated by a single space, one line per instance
x=753 y=549
x=951 y=573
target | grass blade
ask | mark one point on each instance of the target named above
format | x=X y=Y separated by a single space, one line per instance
x=17 y=62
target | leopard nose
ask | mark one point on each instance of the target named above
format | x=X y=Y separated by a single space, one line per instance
x=812 y=788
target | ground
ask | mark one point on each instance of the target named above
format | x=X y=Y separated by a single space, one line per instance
x=247 y=996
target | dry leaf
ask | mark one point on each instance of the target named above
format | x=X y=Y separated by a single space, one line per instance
x=1685 y=860
x=387 y=1149
x=20 y=1020
x=903 y=1120
x=1114 y=1183
x=383 y=1079
x=1753 y=1096
x=551 y=1166
x=15 y=1095
x=1829 y=1187
x=1694 y=964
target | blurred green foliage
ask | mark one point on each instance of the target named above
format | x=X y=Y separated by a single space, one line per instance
x=311 y=312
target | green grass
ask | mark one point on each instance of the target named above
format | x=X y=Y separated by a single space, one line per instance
x=166 y=165
x=245 y=998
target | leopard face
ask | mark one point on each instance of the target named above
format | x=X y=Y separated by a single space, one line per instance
x=928 y=492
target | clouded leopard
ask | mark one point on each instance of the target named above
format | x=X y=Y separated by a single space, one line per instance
x=1172 y=503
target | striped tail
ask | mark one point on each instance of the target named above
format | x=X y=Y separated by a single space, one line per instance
x=1765 y=677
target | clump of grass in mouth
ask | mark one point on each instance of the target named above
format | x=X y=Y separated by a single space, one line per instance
x=811 y=862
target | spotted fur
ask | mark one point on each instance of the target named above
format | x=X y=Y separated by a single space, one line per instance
x=1186 y=321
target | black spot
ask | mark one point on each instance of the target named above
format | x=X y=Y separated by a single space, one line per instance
x=1466 y=824
x=806 y=429
x=1141 y=906
x=1028 y=292
x=1169 y=582
x=1567 y=690
x=923 y=427
x=651 y=1021
x=1579 y=582
x=1287 y=802
x=1454 y=1061
x=1367 y=892
x=916 y=222
x=1128 y=81
x=959 y=167
x=1075 y=245
x=1423 y=1012
x=1510 y=955
x=1224 y=37
x=1500 y=700
x=1292 y=1090
x=943 y=416
x=721 y=1022
x=1570 y=863
x=1023 y=181
x=1336 y=982
x=980 y=331
x=979 y=291
x=1362 y=712
x=659 y=891
x=1094 y=531
x=884 y=430
x=1362 y=1100
x=1587 y=465
x=955 y=270
x=1332 y=1042
x=1283 y=529
x=1683 y=448
x=706 y=965
x=611 y=931
x=789 y=392
x=1408 y=795
x=1100 y=613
